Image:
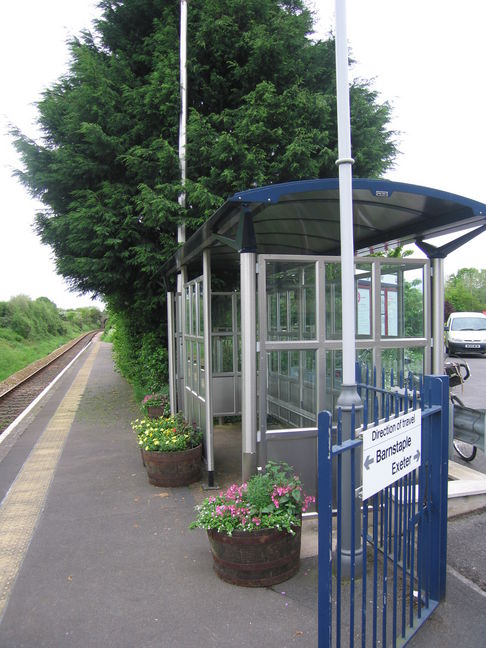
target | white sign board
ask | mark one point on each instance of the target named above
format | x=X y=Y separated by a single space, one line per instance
x=391 y=450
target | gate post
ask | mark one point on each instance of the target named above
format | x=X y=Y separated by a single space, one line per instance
x=351 y=408
x=438 y=388
x=324 y=502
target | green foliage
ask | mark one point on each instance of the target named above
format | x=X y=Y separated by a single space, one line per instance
x=262 y=109
x=141 y=358
x=466 y=290
x=413 y=308
x=31 y=329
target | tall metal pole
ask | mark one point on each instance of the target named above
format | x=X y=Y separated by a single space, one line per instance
x=438 y=316
x=181 y=231
x=248 y=365
x=349 y=400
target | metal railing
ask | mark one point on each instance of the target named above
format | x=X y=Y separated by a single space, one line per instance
x=397 y=566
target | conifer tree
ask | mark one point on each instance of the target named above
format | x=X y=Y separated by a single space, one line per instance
x=261 y=94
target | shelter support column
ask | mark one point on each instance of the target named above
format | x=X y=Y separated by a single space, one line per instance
x=248 y=364
x=208 y=410
x=171 y=342
x=181 y=342
x=438 y=316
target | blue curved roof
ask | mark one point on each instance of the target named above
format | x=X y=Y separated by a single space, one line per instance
x=303 y=217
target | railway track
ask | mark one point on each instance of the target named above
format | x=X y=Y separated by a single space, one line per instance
x=18 y=391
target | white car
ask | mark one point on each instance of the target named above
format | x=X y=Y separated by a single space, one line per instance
x=465 y=333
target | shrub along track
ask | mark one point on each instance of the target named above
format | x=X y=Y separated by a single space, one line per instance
x=19 y=390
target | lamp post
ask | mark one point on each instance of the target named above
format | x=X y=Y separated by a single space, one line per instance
x=349 y=399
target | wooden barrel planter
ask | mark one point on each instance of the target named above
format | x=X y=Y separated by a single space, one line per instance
x=257 y=559
x=155 y=411
x=173 y=468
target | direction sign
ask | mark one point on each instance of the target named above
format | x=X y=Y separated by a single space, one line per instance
x=391 y=450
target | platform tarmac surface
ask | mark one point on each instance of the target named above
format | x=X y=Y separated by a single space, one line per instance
x=103 y=559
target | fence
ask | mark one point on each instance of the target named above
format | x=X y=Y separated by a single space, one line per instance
x=380 y=589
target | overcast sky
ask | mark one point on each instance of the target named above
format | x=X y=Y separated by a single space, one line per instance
x=427 y=58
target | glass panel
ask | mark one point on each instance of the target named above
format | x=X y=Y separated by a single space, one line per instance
x=413 y=302
x=291 y=299
x=291 y=399
x=194 y=367
x=223 y=354
x=187 y=309
x=202 y=383
x=200 y=331
x=364 y=300
x=334 y=329
x=334 y=378
x=221 y=313
x=188 y=376
x=193 y=310
x=402 y=301
x=364 y=357
x=409 y=359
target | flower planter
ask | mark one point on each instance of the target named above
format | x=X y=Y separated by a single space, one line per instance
x=173 y=468
x=255 y=559
x=154 y=411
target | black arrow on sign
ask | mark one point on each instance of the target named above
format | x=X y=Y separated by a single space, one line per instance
x=416 y=456
x=368 y=461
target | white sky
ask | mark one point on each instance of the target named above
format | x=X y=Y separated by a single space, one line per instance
x=427 y=57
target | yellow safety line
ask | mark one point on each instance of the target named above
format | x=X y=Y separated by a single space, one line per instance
x=21 y=508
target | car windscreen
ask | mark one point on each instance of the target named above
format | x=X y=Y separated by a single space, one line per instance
x=468 y=324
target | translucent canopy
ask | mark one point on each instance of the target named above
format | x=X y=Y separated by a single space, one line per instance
x=303 y=218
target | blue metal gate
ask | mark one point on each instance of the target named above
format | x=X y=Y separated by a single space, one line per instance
x=396 y=578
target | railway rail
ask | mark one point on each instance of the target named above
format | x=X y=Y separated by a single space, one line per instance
x=19 y=390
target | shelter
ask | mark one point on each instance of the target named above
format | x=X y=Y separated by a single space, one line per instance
x=254 y=306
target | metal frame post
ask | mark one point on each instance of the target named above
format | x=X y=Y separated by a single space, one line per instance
x=181 y=290
x=171 y=342
x=438 y=316
x=248 y=364
x=208 y=366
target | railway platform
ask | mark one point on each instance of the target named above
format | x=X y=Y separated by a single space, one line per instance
x=93 y=556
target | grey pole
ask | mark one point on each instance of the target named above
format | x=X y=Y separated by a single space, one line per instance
x=248 y=364
x=172 y=353
x=348 y=398
x=208 y=396
x=181 y=231
x=438 y=316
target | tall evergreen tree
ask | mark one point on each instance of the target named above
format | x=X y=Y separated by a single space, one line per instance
x=261 y=110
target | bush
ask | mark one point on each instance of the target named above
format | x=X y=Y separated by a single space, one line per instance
x=141 y=359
